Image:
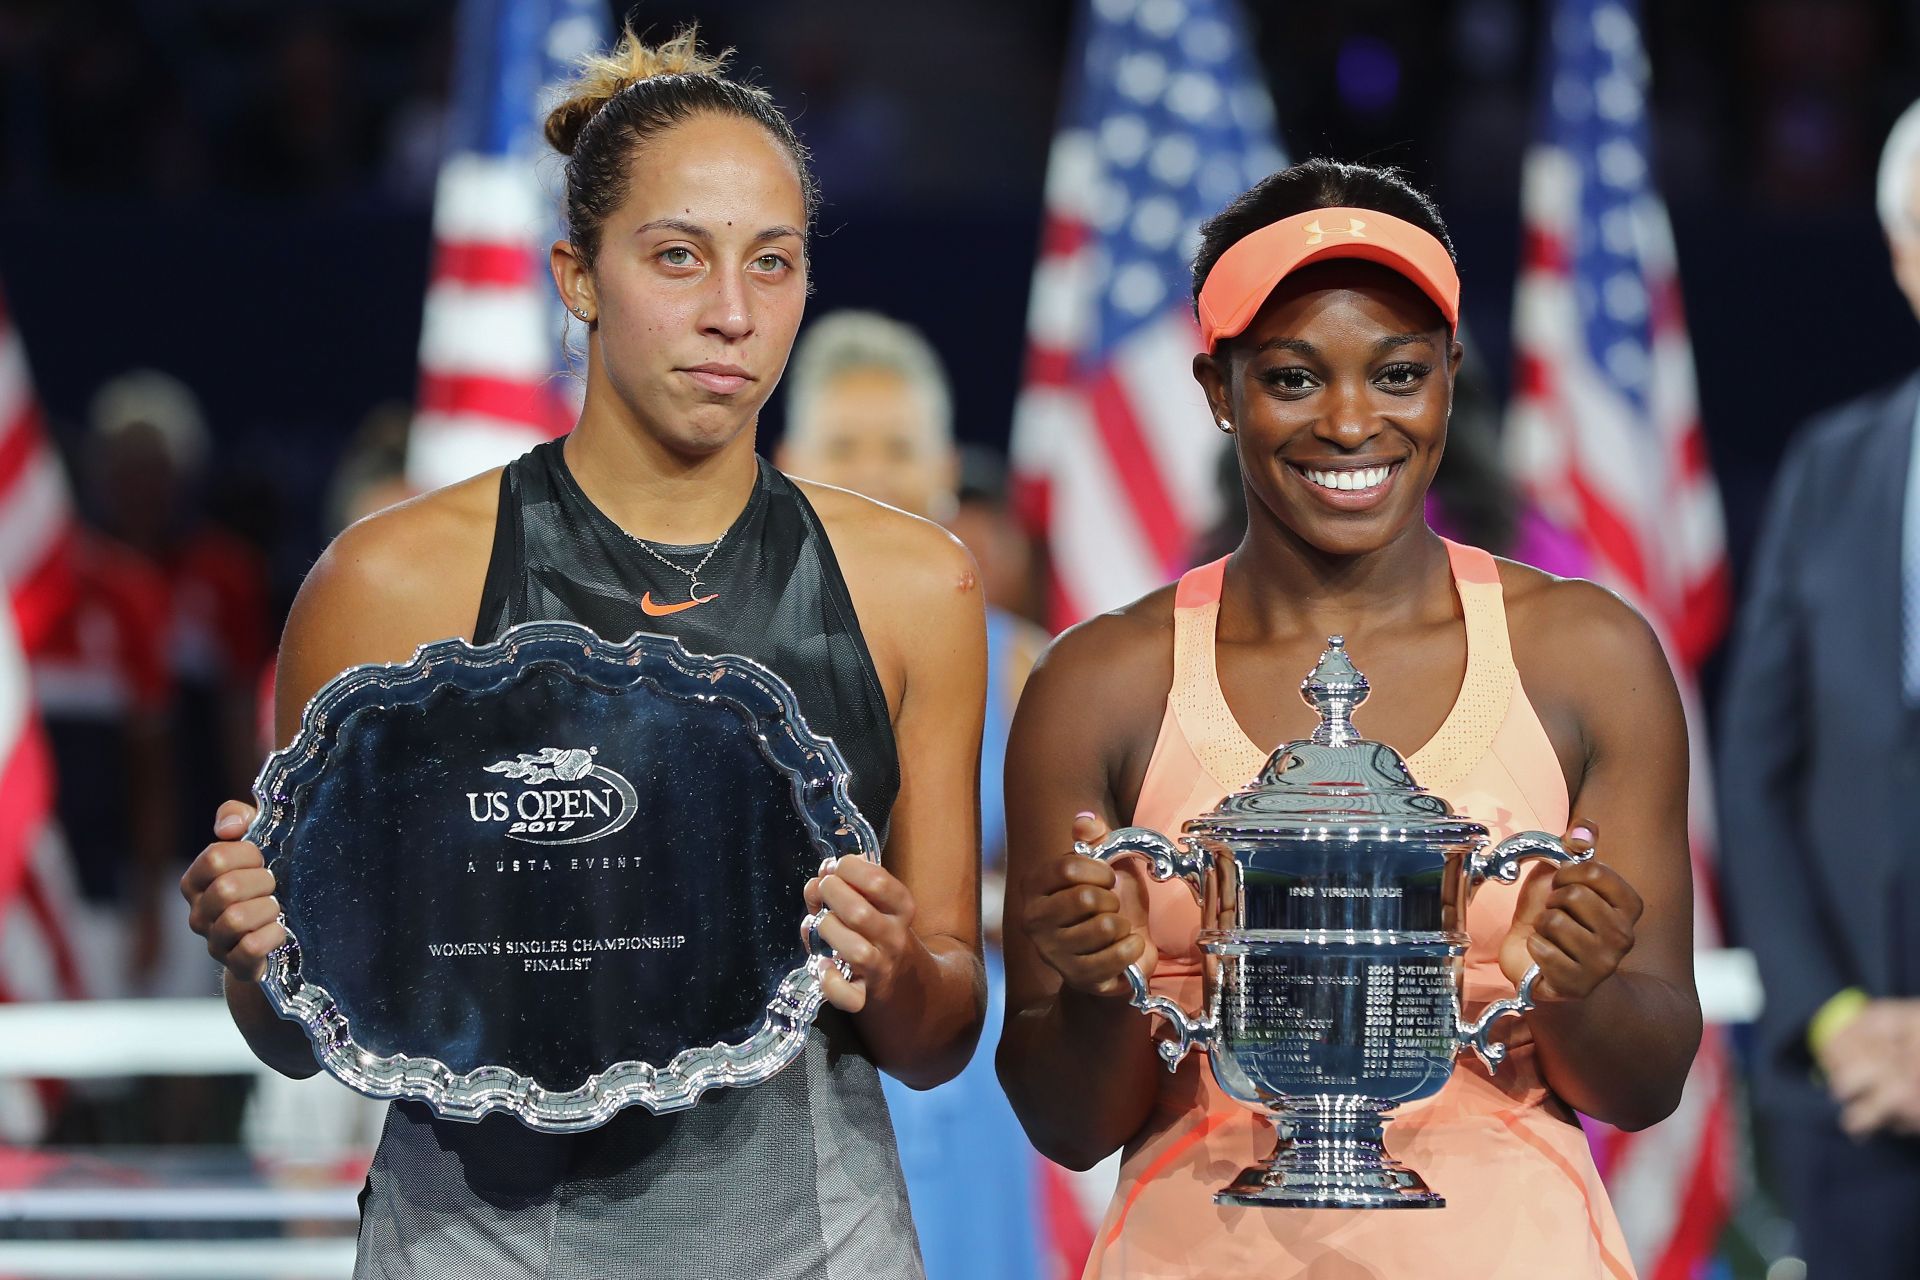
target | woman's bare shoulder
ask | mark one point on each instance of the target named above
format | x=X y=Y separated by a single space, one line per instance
x=397 y=579
x=1116 y=666
x=1120 y=642
x=902 y=570
x=1091 y=710
x=915 y=589
x=1575 y=638
x=419 y=540
x=872 y=537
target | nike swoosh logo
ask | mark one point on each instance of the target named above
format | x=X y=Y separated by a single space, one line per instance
x=652 y=610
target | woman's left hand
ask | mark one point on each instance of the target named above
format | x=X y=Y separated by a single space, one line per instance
x=1577 y=925
x=869 y=924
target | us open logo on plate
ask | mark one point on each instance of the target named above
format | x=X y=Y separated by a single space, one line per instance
x=565 y=798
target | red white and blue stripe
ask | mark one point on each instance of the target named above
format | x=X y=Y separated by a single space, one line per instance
x=1604 y=432
x=1605 y=427
x=492 y=362
x=1166 y=119
x=36 y=511
x=37 y=955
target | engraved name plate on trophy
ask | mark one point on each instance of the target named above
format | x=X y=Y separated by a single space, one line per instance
x=552 y=876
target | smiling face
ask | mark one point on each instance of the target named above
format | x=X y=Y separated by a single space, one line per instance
x=1338 y=393
x=697 y=287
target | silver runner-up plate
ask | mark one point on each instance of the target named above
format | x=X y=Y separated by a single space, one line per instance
x=552 y=876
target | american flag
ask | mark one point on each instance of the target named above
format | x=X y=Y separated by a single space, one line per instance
x=36 y=513
x=37 y=961
x=1166 y=119
x=491 y=338
x=36 y=534
x=1604 y=432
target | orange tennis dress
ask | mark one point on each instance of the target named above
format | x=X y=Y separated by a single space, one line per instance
x=1523 y=1196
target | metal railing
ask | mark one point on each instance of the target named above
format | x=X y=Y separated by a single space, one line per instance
x=103 y=1039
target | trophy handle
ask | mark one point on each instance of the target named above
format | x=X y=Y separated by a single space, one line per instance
x=1502 y=862
x=1167 y=860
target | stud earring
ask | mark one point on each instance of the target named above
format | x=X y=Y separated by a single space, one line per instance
x=581 y=312
x=1224 y=425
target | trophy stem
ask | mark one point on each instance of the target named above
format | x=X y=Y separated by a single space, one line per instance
x=1331 y=1154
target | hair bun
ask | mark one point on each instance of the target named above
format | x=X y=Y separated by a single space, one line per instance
x=603 y=76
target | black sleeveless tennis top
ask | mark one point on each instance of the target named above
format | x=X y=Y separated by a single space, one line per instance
x=778 y=597
x=793 y=1178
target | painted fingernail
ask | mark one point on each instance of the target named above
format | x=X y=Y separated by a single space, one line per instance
x=1088 y=814
x=1581 y=833
x=230 y=825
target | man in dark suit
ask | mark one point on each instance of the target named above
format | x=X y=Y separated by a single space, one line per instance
x=1820 y=798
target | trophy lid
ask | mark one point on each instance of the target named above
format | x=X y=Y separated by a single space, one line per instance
x=1336 y=778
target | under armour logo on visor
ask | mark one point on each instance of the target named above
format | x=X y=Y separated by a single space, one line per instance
x=1356 y=227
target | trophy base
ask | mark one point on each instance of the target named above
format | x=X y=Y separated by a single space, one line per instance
x=1330 y=1158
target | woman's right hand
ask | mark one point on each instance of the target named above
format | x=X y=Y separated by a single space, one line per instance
x=1089 y=922
x=229 y=894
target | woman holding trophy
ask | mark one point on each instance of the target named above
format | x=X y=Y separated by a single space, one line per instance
x=1328 y=299
x=689 y=201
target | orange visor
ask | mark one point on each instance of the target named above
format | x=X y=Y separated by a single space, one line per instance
x=1247 y=273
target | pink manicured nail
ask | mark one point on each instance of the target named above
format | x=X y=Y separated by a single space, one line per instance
x=1581 y=833
x=1084 y=813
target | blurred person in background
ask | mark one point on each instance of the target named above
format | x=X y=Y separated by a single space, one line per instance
x=869 y=409
x=370 y=476
x=151 y=459
x=372 y=473
x=137 y=686
x=328 y=1125
x=104 y=688
x=1474 y=498
x=1819 y=773
x=984 y=518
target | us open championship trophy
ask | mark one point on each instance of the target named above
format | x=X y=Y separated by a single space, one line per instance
x=552 y=876
x=1333 y=904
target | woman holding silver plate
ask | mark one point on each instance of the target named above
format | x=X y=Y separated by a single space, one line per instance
x=1328 y=298
x=689 y=201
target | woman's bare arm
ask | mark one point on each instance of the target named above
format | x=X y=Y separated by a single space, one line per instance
x=1077 y=1060
x=1619 y=1018
x=911 y=930
x=386 y=586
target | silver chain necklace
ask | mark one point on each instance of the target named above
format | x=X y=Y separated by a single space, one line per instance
x=693 y=575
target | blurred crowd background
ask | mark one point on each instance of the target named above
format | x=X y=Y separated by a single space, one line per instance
x=215 y=230
x=239 y=192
